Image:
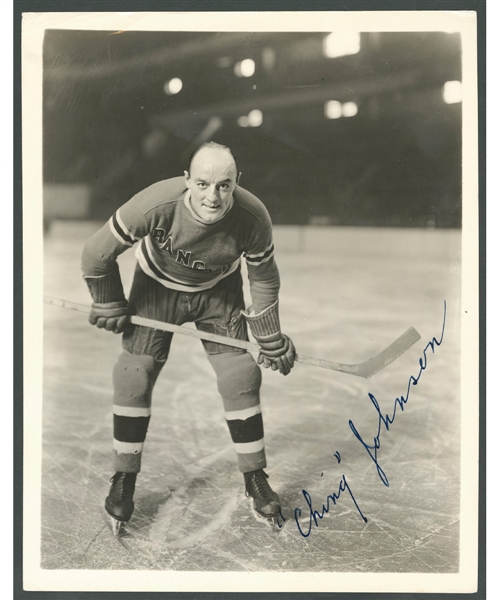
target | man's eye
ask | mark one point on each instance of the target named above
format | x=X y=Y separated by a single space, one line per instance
x=202 y=185
x=223 y=186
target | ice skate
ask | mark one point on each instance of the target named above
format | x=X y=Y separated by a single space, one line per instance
x=119 y=503
x=266 y=503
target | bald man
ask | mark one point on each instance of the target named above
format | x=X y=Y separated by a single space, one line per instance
x=191 y=233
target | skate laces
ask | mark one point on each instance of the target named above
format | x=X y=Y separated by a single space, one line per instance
x=123 y=484
x=259 y=479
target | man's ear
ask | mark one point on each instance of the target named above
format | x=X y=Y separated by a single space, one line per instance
x=238 y=178
x=186 y=177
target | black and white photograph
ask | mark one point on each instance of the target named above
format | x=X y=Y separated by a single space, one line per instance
x=250 y=248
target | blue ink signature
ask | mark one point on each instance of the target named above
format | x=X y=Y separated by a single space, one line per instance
x=401 y=401
x=314 y=515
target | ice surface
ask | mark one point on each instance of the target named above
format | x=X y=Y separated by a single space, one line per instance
x=346 y=295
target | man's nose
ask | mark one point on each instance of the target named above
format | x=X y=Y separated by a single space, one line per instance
x=212 y=193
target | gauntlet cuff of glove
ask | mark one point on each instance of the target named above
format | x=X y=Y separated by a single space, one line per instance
x=265 y=324
x=106 y=289
x=111 y=309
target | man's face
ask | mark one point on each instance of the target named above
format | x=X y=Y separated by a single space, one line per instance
x=212 y=181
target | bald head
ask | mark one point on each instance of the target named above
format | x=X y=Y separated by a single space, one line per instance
x=213 y=145
x=217 y=160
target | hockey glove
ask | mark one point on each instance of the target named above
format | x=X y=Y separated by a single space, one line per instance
x=276 y=349
x=112 y=316
x=110 y=308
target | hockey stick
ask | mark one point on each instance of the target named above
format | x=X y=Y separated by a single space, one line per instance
x=365 y=369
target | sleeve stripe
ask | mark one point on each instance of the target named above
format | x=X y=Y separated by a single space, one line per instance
x=124 y=228
x=119 y=234
x=254 y=264
x=269 y=248
x=262 y=258
x=116 y=234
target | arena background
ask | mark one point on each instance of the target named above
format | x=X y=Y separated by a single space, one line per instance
x=113 y=127
x=354 y=144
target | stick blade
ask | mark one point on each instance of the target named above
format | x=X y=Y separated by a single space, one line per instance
x=389 y=355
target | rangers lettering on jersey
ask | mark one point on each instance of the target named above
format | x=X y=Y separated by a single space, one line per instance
x=181 y=256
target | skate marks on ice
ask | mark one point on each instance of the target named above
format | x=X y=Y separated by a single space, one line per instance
x=174 y=509
x=194 y=515
x=196 y=507
x=187 y=518
x=191 y=511
x=180 y=508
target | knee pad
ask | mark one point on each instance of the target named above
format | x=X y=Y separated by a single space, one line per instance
x=134 y=377
x=238 y=379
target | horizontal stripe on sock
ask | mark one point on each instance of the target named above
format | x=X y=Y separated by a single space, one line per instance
x=131 y=411
x=249 y=430
x=243 y=414
x=250 y=447
x=127 y=447
x=130 y=429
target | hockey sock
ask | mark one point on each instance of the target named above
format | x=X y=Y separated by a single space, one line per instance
x=239 y=380
x=134 y=377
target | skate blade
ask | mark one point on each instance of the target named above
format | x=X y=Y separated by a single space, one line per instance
x=275 y=523
x=117 y=526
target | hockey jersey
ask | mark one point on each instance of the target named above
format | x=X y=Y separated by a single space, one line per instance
x=177 y=249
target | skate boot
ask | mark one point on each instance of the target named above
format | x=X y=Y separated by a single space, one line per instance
x=266 y=503
x=119 y=503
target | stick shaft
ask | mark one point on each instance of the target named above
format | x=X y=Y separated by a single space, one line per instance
x=161 y=325
x=202 y=335
x=366 y=369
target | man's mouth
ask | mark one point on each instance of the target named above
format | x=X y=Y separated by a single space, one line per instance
x=211 y=207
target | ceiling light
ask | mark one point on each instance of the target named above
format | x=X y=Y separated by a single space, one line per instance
x=245 y=68
x=255 y=118
x=341 y=44
x=349 y=109
x=333 y=109
x=174 y=86
x=452 y=92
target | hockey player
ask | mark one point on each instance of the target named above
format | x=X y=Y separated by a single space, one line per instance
x=191 y=233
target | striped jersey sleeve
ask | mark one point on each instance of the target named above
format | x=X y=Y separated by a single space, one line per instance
x=263 y=272
x=260 y=247
x=122 y=231
x=127 y=226
x=259 y=258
